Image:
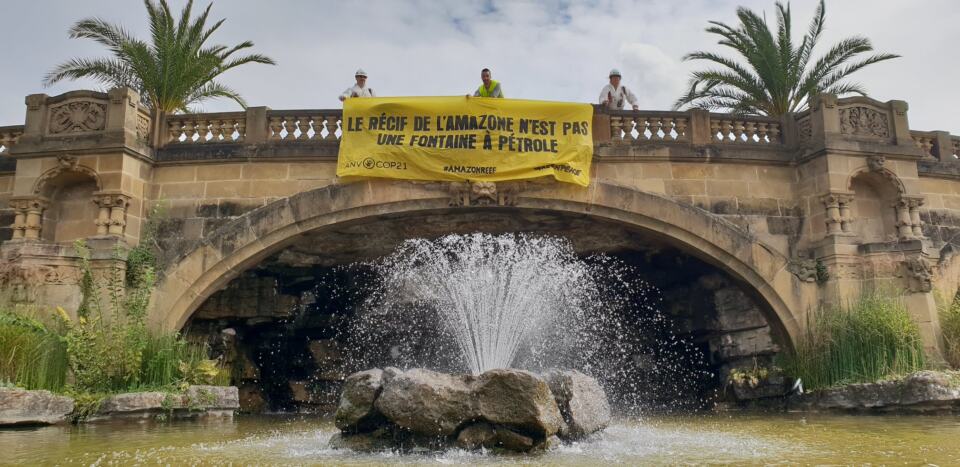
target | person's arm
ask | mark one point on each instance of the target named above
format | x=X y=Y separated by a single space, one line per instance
x=631 y=97
x=372 y=94
x=476 y=93
x=346 y=94
x=497 y=92
x=605 y=95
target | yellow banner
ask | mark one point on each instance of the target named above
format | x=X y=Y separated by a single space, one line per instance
x=461 y=138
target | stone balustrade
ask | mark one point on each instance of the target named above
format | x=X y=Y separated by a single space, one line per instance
x=731 y=129
x=223 y=127
x=9 y=136
x=304 y=125
x=642 y=126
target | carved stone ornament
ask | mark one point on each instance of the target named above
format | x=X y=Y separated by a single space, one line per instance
x=804 y=269
x=876 y=163
x=864 y=121
x=76 y=117
x=919 y=275
x=483 y=193
x=143 y=128
x=805 y=129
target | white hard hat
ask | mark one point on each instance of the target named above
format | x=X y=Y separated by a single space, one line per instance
x=614 y=72
x=360 y=72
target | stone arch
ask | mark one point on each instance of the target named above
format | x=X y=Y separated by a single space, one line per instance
x=69 y=188
x=247 y=240
x=876 y=191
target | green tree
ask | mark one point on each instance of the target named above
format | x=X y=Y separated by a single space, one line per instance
x=773 y=76
x=175 y=70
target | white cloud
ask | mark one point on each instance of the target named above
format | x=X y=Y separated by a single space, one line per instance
x=554 y=50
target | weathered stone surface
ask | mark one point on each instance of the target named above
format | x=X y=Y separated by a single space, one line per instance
x=23 y=407
x=518 y=399
x=484 y=435
x=379 y=440
x=477 y=435
x=581 y=401
x=196 y=400
x=428 y=402
x=923 y=391
x=251 y=399
x=356 y=412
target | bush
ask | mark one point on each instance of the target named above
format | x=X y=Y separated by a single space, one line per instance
x=868 y=340
x=950 y=328
x=31 y=356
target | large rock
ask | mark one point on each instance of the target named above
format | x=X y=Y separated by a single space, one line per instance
x=356 y=412
x=581 y=401
x=195 y=401
x=518 y=399
x=23 y=407
x=923 y=391
x=507 y=409
x=427 y=402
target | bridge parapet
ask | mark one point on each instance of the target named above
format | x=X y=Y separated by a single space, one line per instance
x=846 y=183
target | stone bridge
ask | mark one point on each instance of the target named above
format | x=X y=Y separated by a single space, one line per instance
x=798 y=211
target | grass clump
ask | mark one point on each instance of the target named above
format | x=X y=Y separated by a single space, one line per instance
x=950 y=330
x=867 y=340
x=31 y=355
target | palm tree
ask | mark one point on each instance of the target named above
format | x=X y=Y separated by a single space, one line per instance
x=173 y=72
x=776 y=77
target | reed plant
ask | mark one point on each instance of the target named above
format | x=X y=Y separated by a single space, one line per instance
x=31 y=355
x=950 y=330
x=866 y=340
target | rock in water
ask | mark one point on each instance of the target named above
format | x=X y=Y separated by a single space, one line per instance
x=427 y=402
x=509 y=409
x=22 y=407
x=477 y=435
x=356 y=412
x=520 y=400
x=581 y=400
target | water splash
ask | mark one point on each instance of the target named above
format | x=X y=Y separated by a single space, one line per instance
x=493 y=293
x=474 y=302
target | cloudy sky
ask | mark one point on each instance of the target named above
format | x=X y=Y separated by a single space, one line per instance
x=554 y=50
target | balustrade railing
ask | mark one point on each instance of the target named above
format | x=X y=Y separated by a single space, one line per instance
x=643 y=126
x=955 y=147
x=224 y=127
x=9 y=135
x=727 y=128
x=925 y=141
x=304 y=125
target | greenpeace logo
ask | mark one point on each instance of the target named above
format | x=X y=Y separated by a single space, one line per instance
x=561 y=168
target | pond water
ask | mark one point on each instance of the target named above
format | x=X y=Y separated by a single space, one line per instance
x=704 y=439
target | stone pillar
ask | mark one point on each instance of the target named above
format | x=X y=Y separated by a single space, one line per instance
x=28 y=218
x=832 y=204
x=699 y=127
x=913 y=205
x=839 y=217
x=900 y=128
x=112 y=216
x=846 y=218
x=904 y=224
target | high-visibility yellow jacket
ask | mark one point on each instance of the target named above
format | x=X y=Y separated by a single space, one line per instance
x=494 y=90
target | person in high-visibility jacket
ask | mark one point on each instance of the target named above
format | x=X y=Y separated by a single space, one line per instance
x=489 y=88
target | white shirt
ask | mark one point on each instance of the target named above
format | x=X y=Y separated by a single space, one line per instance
x=617 y=96
x=357 y=91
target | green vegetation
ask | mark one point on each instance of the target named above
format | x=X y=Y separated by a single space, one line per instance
x=950 y=328
x=871 y=339
x=31 y=356
x=773 y=75
x=107 y=348
x=176 y=69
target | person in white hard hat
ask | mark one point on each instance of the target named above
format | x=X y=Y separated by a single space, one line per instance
x=360 y=89
x=613 y=95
